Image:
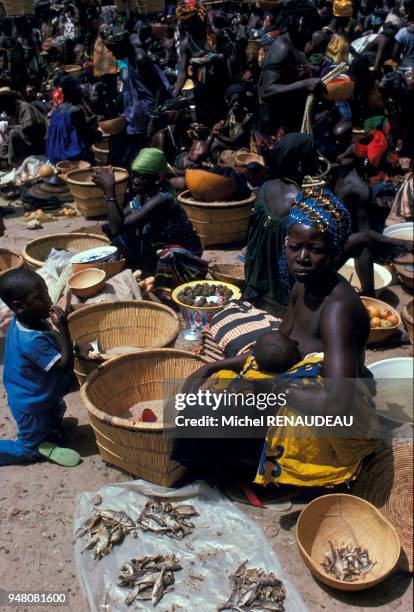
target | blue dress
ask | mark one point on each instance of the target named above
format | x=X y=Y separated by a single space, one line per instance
x=63 y=139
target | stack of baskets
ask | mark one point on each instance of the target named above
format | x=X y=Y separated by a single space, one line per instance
x=19 y=8
x=142 y=449
x=128 y=325
x=218 y=222
x=36 y=252
x=88 y=197
x=100 y=152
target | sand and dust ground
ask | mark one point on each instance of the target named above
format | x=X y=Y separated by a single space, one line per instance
x=37 y=501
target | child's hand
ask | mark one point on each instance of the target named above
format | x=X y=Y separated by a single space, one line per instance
x=58 y=317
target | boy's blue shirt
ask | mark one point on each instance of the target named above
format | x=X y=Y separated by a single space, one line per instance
x=31 y=378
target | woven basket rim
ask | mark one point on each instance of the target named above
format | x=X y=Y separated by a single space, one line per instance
x=104 y=306
x=125 y=423
x=332 y=580
x=183 y=197
x=211 y=309
x=71 y=176
x=37 y=262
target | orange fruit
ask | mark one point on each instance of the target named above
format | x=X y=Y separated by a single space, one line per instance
x=393 y=319
x=375 y=322
x=384 y=313
x=373 y=311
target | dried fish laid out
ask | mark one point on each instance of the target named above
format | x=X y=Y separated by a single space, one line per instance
x=165 y=518
x=149 y=578
x=105 y=528
x=347 y=563
x=254 y=589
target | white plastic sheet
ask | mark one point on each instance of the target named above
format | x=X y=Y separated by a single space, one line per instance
x=222 y=539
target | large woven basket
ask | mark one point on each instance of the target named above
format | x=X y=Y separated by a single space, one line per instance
x=229 y=273
x=9 y=260
x=218 y=222
x=130 y=324
x=36 y=252
x=142 y=449
x=387 y=482
x=17 y=8
x=88 y=197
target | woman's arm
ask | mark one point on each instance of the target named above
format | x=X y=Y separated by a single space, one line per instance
x=150 y=210
x=244 y=128
x=194 y=382
x=182 y=71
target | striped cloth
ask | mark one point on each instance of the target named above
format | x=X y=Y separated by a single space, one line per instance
x=237 y=327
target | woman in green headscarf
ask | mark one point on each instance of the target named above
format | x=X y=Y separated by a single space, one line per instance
x=153 y=232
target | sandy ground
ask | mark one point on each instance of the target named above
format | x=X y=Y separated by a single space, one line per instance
x=37 y=501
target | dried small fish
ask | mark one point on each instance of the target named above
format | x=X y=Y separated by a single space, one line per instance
x=254 y=589
x=166 y=518
x=347 y=563
x=148 y=577
x=105 y=529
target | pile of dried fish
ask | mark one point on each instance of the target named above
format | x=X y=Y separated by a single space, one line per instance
x=167 y=519
x=348 y=563
x=105 y=528
x=253 y=589
x=149 y=577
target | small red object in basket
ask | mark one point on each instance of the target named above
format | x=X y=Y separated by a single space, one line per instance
x=148 y=416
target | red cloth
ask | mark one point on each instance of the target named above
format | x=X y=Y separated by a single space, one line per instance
x=374 y=150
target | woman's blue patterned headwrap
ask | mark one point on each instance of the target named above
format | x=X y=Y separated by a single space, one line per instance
x=319 y=208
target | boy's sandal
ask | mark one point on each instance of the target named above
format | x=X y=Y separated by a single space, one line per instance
x=251 y=495
x=62 y=456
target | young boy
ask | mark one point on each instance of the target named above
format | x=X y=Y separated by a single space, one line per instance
x=38 y=370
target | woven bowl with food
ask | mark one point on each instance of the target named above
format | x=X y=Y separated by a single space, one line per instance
x=346 y=520
x=37 y=251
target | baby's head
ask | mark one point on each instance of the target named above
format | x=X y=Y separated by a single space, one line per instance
x=25 y=292
x=275 y=352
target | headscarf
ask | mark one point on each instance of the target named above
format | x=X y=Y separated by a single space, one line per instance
x=375 y=150
x=342 y=8
x=319 y=208
x=188 y=8
x=151 y=161
x=289 y=151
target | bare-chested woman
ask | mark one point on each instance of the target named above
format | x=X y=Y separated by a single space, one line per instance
x=326 y=316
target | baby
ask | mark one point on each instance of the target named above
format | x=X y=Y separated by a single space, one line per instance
x=275 y=353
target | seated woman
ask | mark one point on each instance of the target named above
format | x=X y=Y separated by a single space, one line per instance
x=70 y=135
x=325 y=316
x=293 y=156
x=234 y=132
x=153 y=232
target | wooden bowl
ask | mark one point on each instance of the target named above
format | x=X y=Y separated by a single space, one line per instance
x=243 y=159
x=229 y=273
x=74 y=70
x=113 y=126
x=346 y=519
x=64 y=167
x=381 y=334
x=209 y=187
x=87 y=283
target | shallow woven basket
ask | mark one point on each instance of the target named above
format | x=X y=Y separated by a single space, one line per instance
x=100 y=152
x=17 y=8
x=387 y=482
x=142 y=449
x=88 y=197
x=229 y=273
x=9 y=260
x=346 y=519
x=407 y=315
x=218 y=222
x=36 y=252
x=137 y=324
x=64 y=167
